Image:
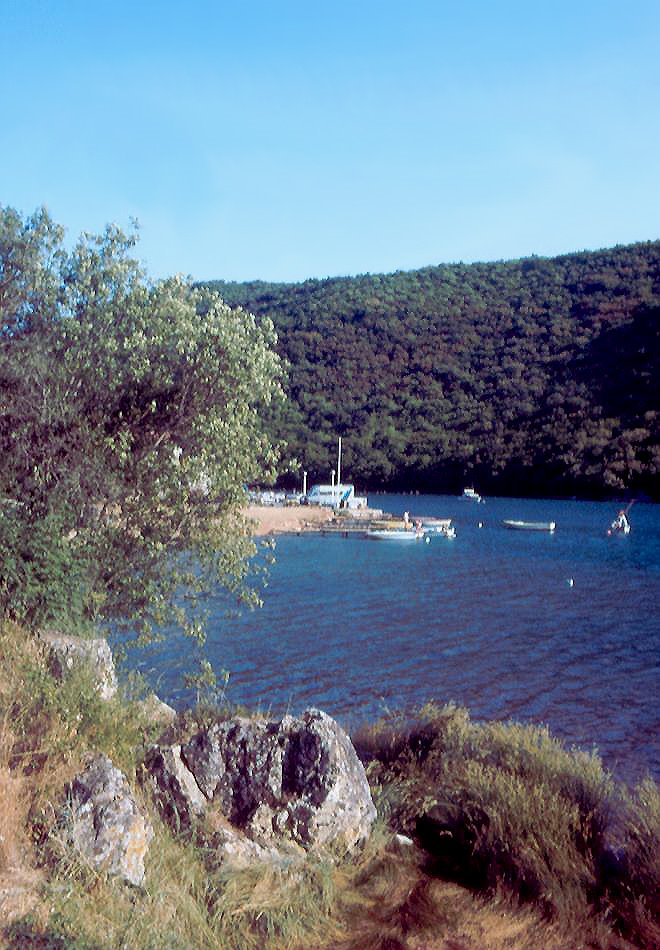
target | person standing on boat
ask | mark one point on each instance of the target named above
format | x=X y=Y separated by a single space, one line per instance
x=406 y=520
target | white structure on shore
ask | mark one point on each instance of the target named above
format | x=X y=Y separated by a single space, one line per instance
x=335 y=496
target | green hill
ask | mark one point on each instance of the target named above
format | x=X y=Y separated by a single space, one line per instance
x=531 y=376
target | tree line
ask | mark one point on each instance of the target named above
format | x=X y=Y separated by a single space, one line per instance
x=532 y=376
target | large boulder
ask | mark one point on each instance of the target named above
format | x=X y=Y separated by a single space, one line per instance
x=67 y=651
x=298 y=779
x=104 y=824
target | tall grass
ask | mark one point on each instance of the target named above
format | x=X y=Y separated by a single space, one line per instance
x=502 y=808
x=506 y=807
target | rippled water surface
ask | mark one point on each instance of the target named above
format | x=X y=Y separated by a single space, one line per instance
x=488 y=620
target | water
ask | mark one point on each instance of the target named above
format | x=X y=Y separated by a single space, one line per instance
x=488 y=620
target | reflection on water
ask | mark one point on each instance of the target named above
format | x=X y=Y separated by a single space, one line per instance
x=488 y=620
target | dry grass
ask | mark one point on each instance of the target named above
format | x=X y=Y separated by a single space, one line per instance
x=524 y=818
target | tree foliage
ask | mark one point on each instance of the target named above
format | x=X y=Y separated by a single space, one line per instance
x=129 y=425
x=528 y=376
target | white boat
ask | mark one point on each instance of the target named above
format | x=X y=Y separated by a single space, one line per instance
x=530 y=525
x=441 y=526
x=469 y=494
x=395 y=534
x=620 y=525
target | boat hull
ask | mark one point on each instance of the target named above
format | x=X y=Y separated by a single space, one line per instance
x=530 y=525
x=395 y=535
x=441 y=526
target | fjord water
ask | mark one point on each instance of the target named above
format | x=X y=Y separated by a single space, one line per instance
x=489 y=620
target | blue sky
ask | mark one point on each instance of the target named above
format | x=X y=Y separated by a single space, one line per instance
x=284 y=140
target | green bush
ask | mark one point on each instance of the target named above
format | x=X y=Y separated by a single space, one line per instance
x=42 y=577
x=506 y=807
x=631 y=873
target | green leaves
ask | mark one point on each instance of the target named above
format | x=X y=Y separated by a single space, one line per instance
x=130 y=412
x=533 y=374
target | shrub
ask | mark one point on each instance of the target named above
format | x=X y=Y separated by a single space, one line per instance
x=631 y=874
x=497 y=805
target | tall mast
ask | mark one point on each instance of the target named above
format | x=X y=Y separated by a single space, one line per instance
x=339 y=463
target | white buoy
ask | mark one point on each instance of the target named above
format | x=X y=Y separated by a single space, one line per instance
x=570 y=581
x=428 y=540
x=480 y=525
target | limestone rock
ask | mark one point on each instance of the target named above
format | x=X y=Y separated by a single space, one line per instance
x=239 y=764
x=235 y=850
x=322 y=771
x=299 y=779
x=176 y=791
x=158 y=712
x=104 y=823
x=66 y=651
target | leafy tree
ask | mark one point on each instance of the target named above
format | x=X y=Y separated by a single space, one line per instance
x=130 y=422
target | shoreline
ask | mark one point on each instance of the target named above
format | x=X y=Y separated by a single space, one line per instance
x=273 y=519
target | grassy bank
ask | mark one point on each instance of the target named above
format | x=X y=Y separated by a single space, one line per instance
x=523 y=843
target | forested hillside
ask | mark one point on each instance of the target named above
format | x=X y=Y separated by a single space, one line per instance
x=530 y=376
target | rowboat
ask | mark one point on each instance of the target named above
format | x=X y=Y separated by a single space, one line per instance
x=530 y=525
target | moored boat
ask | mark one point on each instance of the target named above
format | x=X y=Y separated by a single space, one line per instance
x=441 y=526
x=530 y=525
x=395 y=534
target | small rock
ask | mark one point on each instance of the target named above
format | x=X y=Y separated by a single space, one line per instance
x=235 y=850
x=157 y=711
x=104 y=824
x=66 y=651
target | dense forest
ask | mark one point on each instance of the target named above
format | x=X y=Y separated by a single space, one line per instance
x=533 y=376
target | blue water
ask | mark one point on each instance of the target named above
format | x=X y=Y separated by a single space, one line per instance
x=488 y=620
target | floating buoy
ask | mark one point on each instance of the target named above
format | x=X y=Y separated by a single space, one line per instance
x=570 y=581
x=427 y=540
x=480 y=525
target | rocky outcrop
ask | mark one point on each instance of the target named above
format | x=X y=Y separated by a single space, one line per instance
x=298 y=780
x=66 y=652
x=174 y=787
x=104 y=824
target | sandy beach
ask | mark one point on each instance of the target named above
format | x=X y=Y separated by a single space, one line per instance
x=271 y=519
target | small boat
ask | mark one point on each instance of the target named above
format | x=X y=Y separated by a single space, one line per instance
x=469 y=494
x=530 y=525
x=395 y=534
x=620 y=525
x=441 y=526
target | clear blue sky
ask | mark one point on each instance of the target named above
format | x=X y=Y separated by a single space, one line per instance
x=282 y=140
